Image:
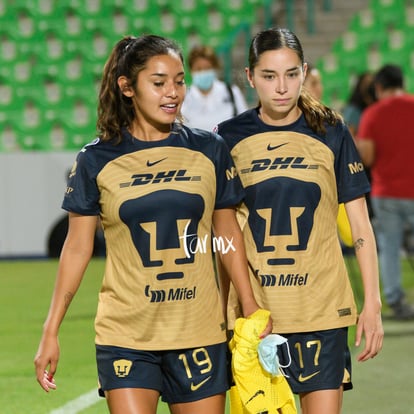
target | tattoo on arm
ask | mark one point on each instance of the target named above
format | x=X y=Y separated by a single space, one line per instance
x=68 y=299
x=359 y=243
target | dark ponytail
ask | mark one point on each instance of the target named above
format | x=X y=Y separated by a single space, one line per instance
x=115 y=110
x=316 y=113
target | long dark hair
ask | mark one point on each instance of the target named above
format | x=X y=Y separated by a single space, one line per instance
x=316 y=113
x=128 y=57
x=363 y=93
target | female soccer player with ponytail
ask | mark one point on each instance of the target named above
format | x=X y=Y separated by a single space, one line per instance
x=297 y=162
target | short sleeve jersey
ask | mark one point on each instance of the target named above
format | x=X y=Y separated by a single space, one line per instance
x=156 y=201
x=294 y=180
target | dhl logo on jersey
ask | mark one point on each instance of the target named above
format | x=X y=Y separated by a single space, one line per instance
x=160 y=177
x=280 y=163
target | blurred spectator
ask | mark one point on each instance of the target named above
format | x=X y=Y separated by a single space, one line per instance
x=362 y=95
x=386 y=144
x=313 y=82
x=209 y=100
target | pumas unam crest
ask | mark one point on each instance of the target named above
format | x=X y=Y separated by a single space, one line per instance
x=122 y=367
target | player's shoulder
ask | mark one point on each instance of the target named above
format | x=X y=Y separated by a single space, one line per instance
x=199 y=137
x=239 y=127
x=239 y=122
x=94 y=148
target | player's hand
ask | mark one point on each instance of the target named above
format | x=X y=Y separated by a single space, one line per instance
x=370 y=326
x=46 y=361
x=268 y=329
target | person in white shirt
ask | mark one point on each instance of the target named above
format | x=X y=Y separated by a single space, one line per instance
x=209 y=100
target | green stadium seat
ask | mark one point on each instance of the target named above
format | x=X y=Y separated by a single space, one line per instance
x=113 y=25
x=401 y=39
x=38 y=8
x=336 y=84
x=9 y=47
x=216 y=26
x=26 y=23
x=28 y=120
x=190 y=13
x=50 y=47
x=409 y=16
x=5 y=9
x=173 y=24
x=330 y=63
x=52 y=55
x=147 y=21
x=8 y=18
x=7 y=95
x=20 y=71
x=8 y=138
x=44 y=90
x=398 y=57
x=96 y=46
x=388 y=11
x=76 y=112
x=368 y=30
x=92 y=8
x=256 y=2
x=186 y=6
x=236 y=12
x=354 y=59
x=77 y=137
x=65 y=21
x=145 y=7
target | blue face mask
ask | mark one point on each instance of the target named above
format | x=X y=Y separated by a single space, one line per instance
x=268 y=357
x=204 y=79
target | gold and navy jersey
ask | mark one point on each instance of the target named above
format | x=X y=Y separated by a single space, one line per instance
x=294 y=180
x=156 y=201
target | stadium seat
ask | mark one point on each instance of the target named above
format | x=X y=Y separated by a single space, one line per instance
x=9 y=47
x=20 y=71
x=65 y=21
x=388 y=11
x=77 y=137
x=191 y=14
x=409 y=16
x=96 y=46
x=7 y=94
x=368 y=30
x=336 y=84
x=8 y=137
x=29 y=123
x=351 y=58
x=52 y=54
x=330 y=63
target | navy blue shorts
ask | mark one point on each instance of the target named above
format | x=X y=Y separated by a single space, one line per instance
x=319 y=360
x=182 y=375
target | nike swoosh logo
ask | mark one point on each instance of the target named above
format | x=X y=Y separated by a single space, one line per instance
x=150 y=164
x=303 y=379
x=195 y=387
x=258 y=392
x=271 y=148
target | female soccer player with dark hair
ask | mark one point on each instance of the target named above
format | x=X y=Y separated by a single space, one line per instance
x=160 y=190
x=297 y=161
